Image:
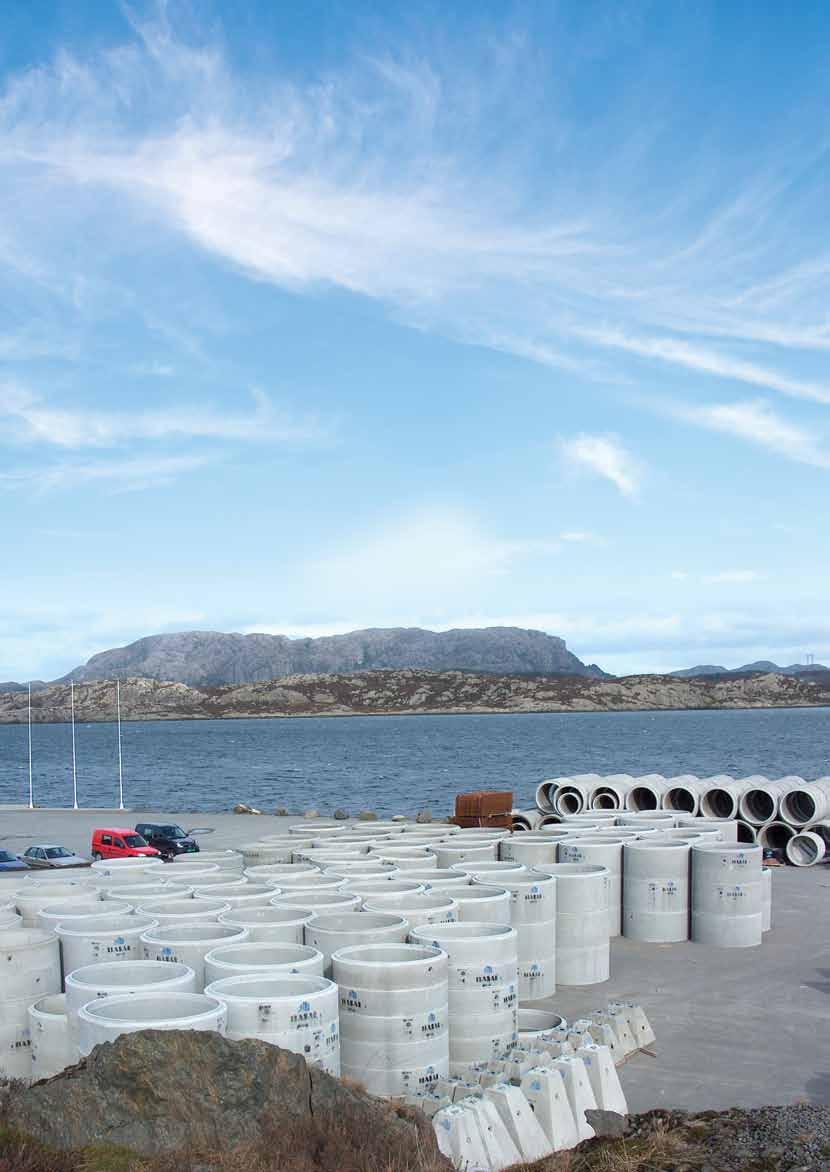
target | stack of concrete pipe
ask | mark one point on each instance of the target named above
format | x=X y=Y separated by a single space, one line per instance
x=788 y=814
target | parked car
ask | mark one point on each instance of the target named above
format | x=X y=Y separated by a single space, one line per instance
x=120 y=842
x=167 y=838
x=10 y=862
x=51 y=855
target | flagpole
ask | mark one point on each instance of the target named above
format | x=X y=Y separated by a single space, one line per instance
x=74 y=763
x=31 y=789
x=120 y=769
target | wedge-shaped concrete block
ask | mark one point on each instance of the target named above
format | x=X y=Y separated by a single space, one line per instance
x=579 y=1037
x=517 y=1116
x=544 y=1089
x=580 y=1092
x=429 y=1104
x=638 y=1023
x=501 y=1151
x=604 y=1035
x=463 y=1090
x=459 y=1138
x=603 y=1077
x=554 y=1045
x=619 y=1024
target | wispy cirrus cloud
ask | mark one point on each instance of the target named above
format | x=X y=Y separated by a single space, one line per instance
x=131 y=474
x=607 y=457
x=759 y=424
x=34 y=420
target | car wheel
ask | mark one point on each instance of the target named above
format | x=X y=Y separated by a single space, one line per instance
x=96 y=857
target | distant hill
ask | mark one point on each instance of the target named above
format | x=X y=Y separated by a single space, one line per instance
x=214 y=659
x=760 y=665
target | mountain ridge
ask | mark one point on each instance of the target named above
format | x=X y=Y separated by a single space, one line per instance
x=764 y=666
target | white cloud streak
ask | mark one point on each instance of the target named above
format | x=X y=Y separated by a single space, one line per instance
x=757 y=423
x=607 y=457
x=126 y=475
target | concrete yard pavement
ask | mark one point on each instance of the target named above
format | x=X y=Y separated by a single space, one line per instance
x=735 y=1027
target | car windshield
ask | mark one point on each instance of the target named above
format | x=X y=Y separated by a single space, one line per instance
x=7 y=857
x=171 y=832
x=58 y=852
x=134 y=840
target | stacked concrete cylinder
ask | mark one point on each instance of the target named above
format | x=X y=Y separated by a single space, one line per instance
x=417 y=908
x=30 y=969
x=96 y=939
x=296 y=1012
x=189 y=944
x=482 y=903
x=108 y=1018
x=465 y=849
x=727 y=899
x=604 y=852
x=269 y=923
x=121 y=979
x=582 y=938
x=531 y=849
x=482 y=988
x=262 y=960
x=31 y=899
x=51 y=1045
x=341 y=930
x=656 y=891
x=533 y=915
x=394 y=1016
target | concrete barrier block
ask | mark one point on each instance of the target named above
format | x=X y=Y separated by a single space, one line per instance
x=544 y=1089
x=459 y=1138
x=501 y=1151
x=638 y=1023
x=604 y=1035
x=602 y=1074
x=580 y=1092
x=517 y=1116
x=619 y=1024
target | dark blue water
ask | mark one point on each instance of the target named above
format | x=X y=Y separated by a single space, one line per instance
x=398 y=763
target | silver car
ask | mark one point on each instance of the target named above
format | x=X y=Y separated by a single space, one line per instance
x=52 y=855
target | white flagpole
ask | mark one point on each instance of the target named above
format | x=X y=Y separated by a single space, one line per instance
x=120 y=769
x=74 y=763
x=31 y=790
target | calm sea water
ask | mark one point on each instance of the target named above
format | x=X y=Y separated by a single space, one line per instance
x=398 y=763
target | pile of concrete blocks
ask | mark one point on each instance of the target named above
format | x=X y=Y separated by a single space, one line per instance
x=532 y=1101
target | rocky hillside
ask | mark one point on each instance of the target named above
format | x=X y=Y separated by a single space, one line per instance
x=409 y=691
x=760 y=665
x=212 y=658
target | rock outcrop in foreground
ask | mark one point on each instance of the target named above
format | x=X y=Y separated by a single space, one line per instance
x=164 y=1092
x=371 y=693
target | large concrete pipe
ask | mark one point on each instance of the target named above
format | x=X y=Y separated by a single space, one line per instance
x=462 y=852
x=646 y=793
x=438 y=878
x=570 y=798
x=188 y=877
x=106 y=1019
x=49 y=917
x=822 y=829
x=533 y=915
x=30 y=968
x=136 y=893
x=51 y=1046
x=189 y=944
x=647 y=819
x=656 y=891
x=482 y=988
x=682 y=794
x=266 y=960
x=803 y=804
x=318 y=830
x=533 y=1022
x=603 y=852
x=369 y=886
x=760 y=799
x=582 y=939
x=227 y=860
x=727 y=900
x=368 y=866
x=122 y=978
x=610 y=793
x=805 y=849
x=317 y=902
x=279 y=851
x=523 y=820
x=775 y=835
x=546 y=792
x=482 y=904
x=490 y=869
x=720 y=797
x=138 y=865
x=343 y=929
x=271 y=873
x=310 y=881
x=394 y=1016
x=295 y=1012
x=91 y=939
x=590 y=818
x=528 y=849
x=30 y=900
x=728 y=826
x=252 y=895
x=184 y=911
x=417 y=908
x=278 y=924
x=414 y=862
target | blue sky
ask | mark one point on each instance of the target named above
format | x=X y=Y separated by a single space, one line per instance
x=322 y=316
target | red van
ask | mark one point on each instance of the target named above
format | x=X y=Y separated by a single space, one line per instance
x=119 y=842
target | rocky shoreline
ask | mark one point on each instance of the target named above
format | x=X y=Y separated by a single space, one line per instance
x=412 y=692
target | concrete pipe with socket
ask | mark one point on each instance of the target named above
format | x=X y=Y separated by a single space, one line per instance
x=727 y=895
x=807 y=803
x=805 y=849
x=761 y=798
x=721 y=797
x=646 y=793
x=683 y=793
x=775 y=836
